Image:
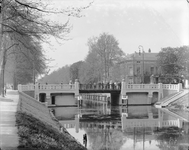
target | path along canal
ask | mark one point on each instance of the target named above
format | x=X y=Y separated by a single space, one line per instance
x=120 y=128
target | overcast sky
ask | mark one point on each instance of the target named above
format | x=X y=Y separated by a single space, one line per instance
x=153 y=24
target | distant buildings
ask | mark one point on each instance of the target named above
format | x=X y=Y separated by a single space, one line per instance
x=140 y=67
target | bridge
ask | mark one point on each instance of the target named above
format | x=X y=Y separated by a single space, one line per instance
x=52 y=94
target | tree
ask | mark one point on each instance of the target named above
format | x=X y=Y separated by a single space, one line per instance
x=59 y=76
x=174 y=61
x=91 y=69
x=21 y=20
x=107 y=52
x=74 y=70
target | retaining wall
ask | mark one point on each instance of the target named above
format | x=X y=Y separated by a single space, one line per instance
x=37 y=109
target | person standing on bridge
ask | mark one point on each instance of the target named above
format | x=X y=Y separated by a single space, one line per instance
x=110 y=85
x=119 y=85
x=70 y=83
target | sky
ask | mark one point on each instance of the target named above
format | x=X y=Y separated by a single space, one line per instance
x=154 y=24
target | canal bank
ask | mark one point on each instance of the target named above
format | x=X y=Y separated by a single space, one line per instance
x=37 y=128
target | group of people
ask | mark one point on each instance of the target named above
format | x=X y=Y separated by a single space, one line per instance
x=104 y=85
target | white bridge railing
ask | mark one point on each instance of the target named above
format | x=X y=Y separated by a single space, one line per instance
x=170 y=86
x=29 y=87
x=142 y=86
x=53 y=87
x=56 y=86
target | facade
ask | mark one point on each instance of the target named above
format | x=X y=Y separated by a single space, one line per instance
x=140 y=68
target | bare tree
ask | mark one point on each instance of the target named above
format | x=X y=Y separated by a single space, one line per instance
x=107 y=50
x=25 y=20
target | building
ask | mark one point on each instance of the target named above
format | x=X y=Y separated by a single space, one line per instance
x=140 y=67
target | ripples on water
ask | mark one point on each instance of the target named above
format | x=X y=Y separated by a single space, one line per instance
x=120 y=128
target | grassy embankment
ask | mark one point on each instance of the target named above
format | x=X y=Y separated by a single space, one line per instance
x=181 y=104
x=37 y=129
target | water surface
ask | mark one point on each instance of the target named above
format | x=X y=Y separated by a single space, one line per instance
x=121 y=128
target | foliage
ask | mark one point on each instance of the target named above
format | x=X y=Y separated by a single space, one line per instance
x=174 y=61
x=90 y=71
x=106 y=139
x=168 y=137
x=59 y=76
x=26 y=22
x=100 y=64
x=104 y=53
x=34 y=134
x=74 y=70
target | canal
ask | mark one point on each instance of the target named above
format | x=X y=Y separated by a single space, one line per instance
x=124 y=128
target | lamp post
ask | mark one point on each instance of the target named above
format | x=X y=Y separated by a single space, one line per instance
x=33 y=73
x=141 y=49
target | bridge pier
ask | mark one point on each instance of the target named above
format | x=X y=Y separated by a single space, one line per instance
x=160 y=93
x=48 y=98
x=149 y=99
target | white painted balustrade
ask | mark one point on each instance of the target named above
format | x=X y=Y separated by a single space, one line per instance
x=170 y=86
x=29 y=87
x=141 y=86
x=55 y=86
x=125 y=87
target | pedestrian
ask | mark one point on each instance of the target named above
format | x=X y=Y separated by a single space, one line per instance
x=70 y=83
x=5 y=90
x=111 y=84
x=85 y=140
x=119 y=85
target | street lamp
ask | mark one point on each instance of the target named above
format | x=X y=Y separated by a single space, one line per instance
x=33 y=72
x=141 y=49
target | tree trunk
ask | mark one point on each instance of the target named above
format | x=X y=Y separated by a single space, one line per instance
x=2 y=51
x=2 y=73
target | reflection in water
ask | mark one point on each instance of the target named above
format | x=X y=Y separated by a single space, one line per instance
x=120 y=128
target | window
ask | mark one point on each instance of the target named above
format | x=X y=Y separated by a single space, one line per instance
x=152 y=70
x=130 y=71
x=130 y=80
x=138 y=70
x=156 y=69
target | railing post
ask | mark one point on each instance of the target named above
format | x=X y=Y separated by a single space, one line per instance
x=179 y=87
x=19 y=87
x=76 y=88
x=160 y=93
x=186 y=83
x=123 y=91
